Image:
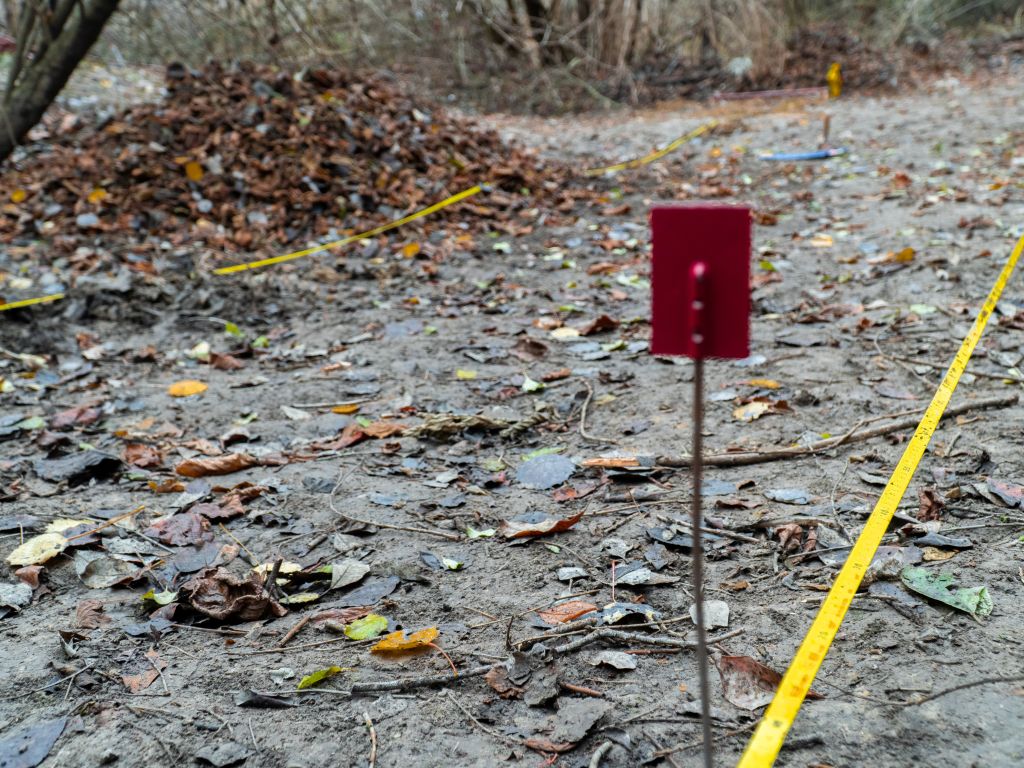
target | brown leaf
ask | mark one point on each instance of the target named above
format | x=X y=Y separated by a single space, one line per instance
x=599 y=325
x=381 y=429
x=180 y=530
x=225 y=597
x=147 y=674
x=790 y=536
x=216 y=465
x=142 y=455
x=557 y=375
x=517 y=529
x=497 y=678
x=564 y=612
x=89 y=614
x=931 y=504
x=225 y=362
x=529 y=350
x=749 y=684
x=79 y=416
x=30 y=575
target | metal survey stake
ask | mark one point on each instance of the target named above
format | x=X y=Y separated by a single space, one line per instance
x=700 y=279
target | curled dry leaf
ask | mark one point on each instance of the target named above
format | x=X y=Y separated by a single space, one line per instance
x=397 y=642
x=30 y=575
x=749 y=684
x=225 y=597
x=142 y=455
x=216 y=465
x=598 y=325
x=537 y=525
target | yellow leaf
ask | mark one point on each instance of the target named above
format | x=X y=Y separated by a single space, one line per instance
x=907 y=254
x=822 y=241
x=763 y=383
x=186 y=388
x=464 y=375
x=320 y=674
x=397 y=641
x=752 y=411
x=194 y=171
x=18 y=196
x=62 y=524
x=38 y=549
x=346 y=408
x=410 y=250
x=97 y=195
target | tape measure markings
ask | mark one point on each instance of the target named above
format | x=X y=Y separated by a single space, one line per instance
x=767 y=740
x=30 y=302
x=353 y=238
x=656 y=155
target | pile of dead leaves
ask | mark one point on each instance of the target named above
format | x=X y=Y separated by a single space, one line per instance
x=254 y=160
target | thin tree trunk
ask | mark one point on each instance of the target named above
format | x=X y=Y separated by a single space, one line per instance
x=41 y=78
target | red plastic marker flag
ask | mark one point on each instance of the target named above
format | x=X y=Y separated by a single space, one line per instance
x=684 y=238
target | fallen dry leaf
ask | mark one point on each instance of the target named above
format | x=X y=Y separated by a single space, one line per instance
x=30 y=575
x=749 y=684
x=599 y=324
x=142 y=455
x=216 y=465
x=518 y=529
x=145 y=677
x=186 y=388
x=89 y=614
x=225 y=597
x=564 y=612
x=397 y=642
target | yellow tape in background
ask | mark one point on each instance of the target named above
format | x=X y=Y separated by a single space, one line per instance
x=656 y=155
x=345 y=241
x=767 y=740
x=30 y=302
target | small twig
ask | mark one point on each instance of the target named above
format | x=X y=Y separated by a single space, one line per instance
x=159 y=673
x=422 y=682
x=746 y=458
x=48 y=686
x=583 y=418
x=110 y=522
x=294 y=630
x=599 y=753
x=373 y=739
x=581 y=689
x=489 y=731
x=954 y=689
x=253 y=560
x=252 y=734
x=634 y=637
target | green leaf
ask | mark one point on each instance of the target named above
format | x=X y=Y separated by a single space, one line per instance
x=543 y=452
x=32 y=422
x=473 y=533
x=234 y=330
x=260 y=342
x=767 y=266
x=452 y=565
x=299 y=597
x=943 y=587
x=366 y=628
x=321 y=674
x=493 y=464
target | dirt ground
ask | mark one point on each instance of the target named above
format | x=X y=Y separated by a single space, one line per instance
x=849 y=323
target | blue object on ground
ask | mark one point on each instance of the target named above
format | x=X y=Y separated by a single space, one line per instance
x=820 y=154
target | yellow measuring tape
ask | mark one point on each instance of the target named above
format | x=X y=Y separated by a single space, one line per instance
x=30 y=302
x=345 y=241
x=656 y=155
x=767 y=740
